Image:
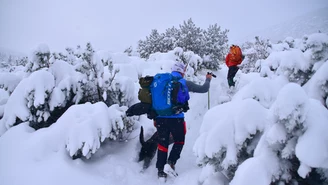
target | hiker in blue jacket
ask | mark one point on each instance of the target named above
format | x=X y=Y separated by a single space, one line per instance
x=175 y=124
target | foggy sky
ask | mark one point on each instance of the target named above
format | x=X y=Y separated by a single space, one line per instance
x=115 y=25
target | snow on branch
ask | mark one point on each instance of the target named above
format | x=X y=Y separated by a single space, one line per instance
x=90 y=124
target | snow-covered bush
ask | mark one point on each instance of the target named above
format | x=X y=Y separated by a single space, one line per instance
x=118 y=89
x=189 y=58
x=98 y=81
x=232 y=138
x=299 y=64
x=93 y=70
x=68 y=56
x=317 y=86
x=92 y=124
x=9 y=81
x=292 y=63
x=317 y=44
x=166 y=60
x=8 y=60
x=29 y=101
x=281 y=144
x=258 y=49
x=4 y=95
x=293 y=144
x=40 y=58
x=43 y=96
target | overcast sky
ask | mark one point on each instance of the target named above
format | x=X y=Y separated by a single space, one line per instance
x=115 y=25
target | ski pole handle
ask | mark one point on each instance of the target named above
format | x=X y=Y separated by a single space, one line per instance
x=210 y=73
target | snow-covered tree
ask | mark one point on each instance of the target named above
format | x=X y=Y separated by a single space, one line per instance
x=255 y=51
x=68 y=56
x=93 y=69
x=170 y=40
x=210 y=45
x=40 y=59
x=152 y=44
x=215 y=44
x=191 y=37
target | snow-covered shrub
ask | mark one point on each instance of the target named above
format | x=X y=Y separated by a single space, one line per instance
x=129 y=51
x=317 y=86
x=117 y=90
x=9 y=81
x=92 y=124
x=232 y=137
x=93 y=70
x=10 y=60
x=4 y=95
x=263 y=90
x=293 y=144
x=292 y=63
x=40 y=58
x=279 y=134
x=97 y=80
x=68 y=56
x=165 y=60
x=189 y=58
x=300 y=62
x=317 y=44
x=258 y=49
x=29 y=101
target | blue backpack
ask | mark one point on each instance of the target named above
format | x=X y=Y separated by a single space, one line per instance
x=169 y=94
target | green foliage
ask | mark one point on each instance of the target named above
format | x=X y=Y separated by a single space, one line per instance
x=209 y=44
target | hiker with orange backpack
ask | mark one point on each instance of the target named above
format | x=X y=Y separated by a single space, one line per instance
x=233 y=59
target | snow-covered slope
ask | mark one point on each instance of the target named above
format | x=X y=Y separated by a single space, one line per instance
x=298 y=27
x=282 y=120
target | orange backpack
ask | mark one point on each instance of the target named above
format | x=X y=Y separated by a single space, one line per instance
x=236 y=54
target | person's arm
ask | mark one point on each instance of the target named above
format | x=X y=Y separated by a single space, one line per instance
x=192 y=87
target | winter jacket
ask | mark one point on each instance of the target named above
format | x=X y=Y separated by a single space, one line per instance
x=231 y=62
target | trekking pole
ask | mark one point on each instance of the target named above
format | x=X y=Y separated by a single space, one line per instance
x=208 y=92
x=208 y=100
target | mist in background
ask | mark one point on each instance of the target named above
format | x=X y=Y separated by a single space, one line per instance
x=116 y=25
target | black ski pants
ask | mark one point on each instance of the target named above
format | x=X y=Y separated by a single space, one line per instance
x=231 y=74
x=165 y=126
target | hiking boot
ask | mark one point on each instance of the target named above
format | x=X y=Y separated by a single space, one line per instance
x=161 y=174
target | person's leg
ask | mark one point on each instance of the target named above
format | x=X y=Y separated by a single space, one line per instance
x=178 y=131
x=231 y=74
x=163 y=142
x=229 y=77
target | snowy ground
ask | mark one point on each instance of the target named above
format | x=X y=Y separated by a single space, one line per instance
x=287 y=115
x=26 y=157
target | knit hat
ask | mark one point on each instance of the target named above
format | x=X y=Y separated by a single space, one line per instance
x=179 y=67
